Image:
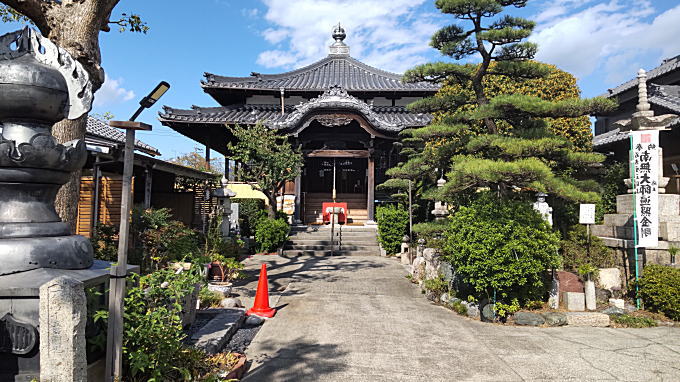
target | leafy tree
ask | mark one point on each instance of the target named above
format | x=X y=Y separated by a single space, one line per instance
x=75 y=26
x=492 y=129
x=269 y=159
x=196 y=160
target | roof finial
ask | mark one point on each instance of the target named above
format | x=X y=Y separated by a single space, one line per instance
x=339 y=47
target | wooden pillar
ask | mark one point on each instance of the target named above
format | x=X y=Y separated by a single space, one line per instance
x=370 y=205
x=148 y=185
x=207 y=155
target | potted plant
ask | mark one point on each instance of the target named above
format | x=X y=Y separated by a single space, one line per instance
x=223 y=270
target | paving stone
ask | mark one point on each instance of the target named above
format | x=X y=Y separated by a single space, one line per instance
x=587 y=319
x=212 y=337
x=528 y=318
x=555 y=318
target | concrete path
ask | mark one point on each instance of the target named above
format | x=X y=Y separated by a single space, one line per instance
x=360 y=319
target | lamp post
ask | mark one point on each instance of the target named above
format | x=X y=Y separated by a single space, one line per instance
x=114 y=338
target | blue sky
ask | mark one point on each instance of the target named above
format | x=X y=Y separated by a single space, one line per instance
x=602 y=42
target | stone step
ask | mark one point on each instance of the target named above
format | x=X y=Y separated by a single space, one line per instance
x=338 y=227
x=344 y=247
x=326 y=241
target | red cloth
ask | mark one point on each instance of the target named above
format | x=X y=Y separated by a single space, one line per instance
x=342 y=216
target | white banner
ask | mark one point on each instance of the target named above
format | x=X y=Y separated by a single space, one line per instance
x=645 y=165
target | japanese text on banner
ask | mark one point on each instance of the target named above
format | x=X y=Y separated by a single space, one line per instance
x=645 y=164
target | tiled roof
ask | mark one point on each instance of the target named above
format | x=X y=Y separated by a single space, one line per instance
x=615 y=135
x=251 y=114
x=101 y=129
x=667 y=96
x=344 y=71
x=667 y=66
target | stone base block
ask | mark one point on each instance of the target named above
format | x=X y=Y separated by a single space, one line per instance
x=573 y=301
x=617 y=302
x=587 y=319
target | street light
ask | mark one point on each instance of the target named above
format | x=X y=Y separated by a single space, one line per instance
x=114 y=338
x=151 y=99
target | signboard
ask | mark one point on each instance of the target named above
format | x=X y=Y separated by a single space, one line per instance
x=645 y=178
x=586 y=214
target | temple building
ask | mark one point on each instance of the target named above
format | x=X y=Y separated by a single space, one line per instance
x=344 y=114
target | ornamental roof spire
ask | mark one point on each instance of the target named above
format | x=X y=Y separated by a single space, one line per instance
x=339 y=48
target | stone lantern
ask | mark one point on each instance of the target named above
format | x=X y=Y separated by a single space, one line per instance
x=441 y=210
x=223 y=196
x=43 y=267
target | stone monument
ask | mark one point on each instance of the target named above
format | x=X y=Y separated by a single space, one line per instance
x=40 y=84
x=617 y=230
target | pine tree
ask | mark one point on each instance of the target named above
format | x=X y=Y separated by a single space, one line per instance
x=504 y=142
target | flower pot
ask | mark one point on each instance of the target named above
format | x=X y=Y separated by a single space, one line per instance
x=222 y=287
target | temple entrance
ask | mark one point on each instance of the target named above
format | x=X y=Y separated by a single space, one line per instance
x=350 y=183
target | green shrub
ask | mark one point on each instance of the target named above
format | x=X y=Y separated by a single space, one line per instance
x=153 y=335
x=270 y=234
x=104 y=242
x=210 y=298
x=660 y=290
x=459 y=308
x=437 y=286
x=575 y=255
x=501 y=246
x=250 y=211
x=629 y=321
x=392 y=226
x=612 y=185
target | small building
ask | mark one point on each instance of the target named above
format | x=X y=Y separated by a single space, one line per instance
x=663 y=88
x=345 y=115
x=156 y=183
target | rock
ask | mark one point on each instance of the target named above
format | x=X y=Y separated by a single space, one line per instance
x=613 y=310
x=454 y=300
x=254 y=320
x=555 y=318
x=573 y=301
x=489 y=313
x=528 y=318
x=629 y=307
x=617 y=293
x=444 y=298
x=231 y=302
x=587 y=319
x=430 y=254
x=472 y=309
x=617 y=302
x=569 y=282
x=432 y=269
x=418 y=270
x=609 y=278
x=446 y=271
x=603 y=295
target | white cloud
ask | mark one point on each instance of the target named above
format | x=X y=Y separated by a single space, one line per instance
x=387 y=34
x=583 y=36
x=112 y=92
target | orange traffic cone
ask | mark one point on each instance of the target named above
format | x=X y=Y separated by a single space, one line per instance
x=261 y=306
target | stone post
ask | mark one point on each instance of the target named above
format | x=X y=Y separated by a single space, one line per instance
x=554 y=296
x=63 y=313
x=591 y=303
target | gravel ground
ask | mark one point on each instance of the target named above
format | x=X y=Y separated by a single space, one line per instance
x=242 y=338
